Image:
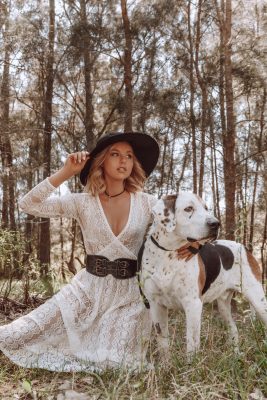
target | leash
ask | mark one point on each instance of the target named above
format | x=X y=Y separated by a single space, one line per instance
x=139 y=262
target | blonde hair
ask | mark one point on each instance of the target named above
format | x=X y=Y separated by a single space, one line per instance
x=96 y=182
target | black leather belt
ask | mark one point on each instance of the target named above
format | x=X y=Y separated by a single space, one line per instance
x=121 y=268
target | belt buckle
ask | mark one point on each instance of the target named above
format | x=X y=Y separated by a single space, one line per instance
x=123 y=269
x=100 y=267
x=110 y=267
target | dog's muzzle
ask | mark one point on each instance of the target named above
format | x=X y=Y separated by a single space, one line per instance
x=214 y=226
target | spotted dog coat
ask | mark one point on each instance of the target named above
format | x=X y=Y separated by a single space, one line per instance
x=220 y=268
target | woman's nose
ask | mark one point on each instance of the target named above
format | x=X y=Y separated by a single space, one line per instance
x=123 y=157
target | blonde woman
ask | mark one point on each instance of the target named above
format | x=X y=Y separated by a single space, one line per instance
x=98 y=320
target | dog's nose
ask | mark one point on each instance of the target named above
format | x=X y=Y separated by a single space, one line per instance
x=213 y=224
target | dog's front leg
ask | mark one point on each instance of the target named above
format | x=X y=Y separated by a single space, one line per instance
x=159 y=316
x=193 y=311
x=224 y=307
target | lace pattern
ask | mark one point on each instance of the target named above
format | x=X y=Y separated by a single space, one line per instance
x=92 y=322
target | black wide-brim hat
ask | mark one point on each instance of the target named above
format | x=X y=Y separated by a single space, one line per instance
x=145 y=148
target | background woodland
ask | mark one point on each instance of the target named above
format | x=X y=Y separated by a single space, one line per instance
x=190 y=73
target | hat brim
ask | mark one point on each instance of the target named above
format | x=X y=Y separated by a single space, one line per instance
x=145 y=148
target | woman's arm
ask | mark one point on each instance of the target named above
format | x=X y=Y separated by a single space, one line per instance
x=72 y=166
x=38 y=203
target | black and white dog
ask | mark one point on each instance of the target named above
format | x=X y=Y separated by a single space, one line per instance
x=220 y=268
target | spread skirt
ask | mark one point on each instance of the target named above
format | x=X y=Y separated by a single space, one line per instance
x=91 y=324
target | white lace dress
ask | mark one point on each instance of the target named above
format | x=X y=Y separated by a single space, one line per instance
x=93 y=322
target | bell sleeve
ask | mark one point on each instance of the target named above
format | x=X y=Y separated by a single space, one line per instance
x=38 y=202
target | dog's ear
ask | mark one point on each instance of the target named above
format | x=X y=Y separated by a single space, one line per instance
x=169 y=220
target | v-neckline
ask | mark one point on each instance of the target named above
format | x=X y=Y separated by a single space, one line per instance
x=106 y=220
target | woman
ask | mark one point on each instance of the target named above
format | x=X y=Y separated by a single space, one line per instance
x=98 y=320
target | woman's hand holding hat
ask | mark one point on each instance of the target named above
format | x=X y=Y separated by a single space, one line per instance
x=72 y=166
x=76 y=161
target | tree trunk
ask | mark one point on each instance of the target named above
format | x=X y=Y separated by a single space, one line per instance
x=89 y=109
x=263 y=249
x=229 y=135
x=204 y=103
x=263 y=252
x=192 y=98
x=169 y=180
x=216 y=173
x=262 y=123
x=8 y=187
x=220 y=16
x=204 y=106
x=45 y=242
x=162 y=169
x=127 y=64
x=214 y=169
x=148 y=86
x=185 y=162
x=29 y=225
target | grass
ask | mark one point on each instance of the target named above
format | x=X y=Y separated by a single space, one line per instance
x=215 y=373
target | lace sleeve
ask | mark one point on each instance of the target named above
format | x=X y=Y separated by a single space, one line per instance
x=37 y=203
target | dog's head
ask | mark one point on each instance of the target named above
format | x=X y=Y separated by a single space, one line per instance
x=187 y=216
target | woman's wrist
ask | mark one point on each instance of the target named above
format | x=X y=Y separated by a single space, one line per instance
x=60 y=176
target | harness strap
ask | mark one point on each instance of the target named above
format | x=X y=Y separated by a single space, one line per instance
x=192 y=249
x=158 y=245
x=139 y=263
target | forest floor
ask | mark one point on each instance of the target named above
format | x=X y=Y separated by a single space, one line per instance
x=215 y=373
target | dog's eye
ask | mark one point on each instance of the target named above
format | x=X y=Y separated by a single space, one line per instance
x=189 y=209
x=206 y=208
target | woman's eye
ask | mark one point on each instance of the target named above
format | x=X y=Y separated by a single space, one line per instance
x=114 y=154
x=188 y=209
x=129 y=156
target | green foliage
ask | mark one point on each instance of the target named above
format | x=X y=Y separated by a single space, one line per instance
x=27 y=386
x=12 y=245
x=16 y=265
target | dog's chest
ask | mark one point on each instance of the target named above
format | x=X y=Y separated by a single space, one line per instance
x=159 y=264
x=166 y=279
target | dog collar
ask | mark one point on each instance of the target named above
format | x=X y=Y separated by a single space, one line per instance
x=158 y=245
x=190 y=248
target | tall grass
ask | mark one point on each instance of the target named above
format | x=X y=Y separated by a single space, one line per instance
x=216 y=372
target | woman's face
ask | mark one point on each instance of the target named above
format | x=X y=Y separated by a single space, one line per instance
x=118 y=163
